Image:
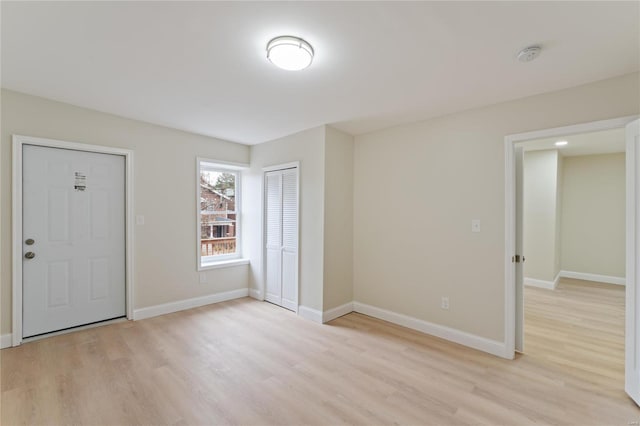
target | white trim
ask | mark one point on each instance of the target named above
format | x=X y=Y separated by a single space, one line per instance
x=6 y=341
x=509 y=208
x=223 y=264
x=493 y=347
x=593 y=277
x=221 y=164
x=593 y=126
x=255 y=294
x=532 y=282
x=337 y=312
x=285 y=166
x=631 y=367
x=181 y=305
x=310 y=314
x=16 y=227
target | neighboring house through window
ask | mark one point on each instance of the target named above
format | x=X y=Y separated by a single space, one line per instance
x=218 y=225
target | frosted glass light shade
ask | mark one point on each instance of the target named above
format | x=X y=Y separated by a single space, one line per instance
x=290 y=53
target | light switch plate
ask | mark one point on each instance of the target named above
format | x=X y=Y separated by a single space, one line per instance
x=203 y=277
x=475 y=225
x=139 y=220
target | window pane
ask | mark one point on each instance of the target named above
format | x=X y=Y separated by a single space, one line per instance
x=218 y=226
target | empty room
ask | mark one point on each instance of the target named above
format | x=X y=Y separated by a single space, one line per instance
x=288 y=213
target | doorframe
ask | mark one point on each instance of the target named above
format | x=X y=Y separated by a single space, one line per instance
x=263 y=249
x=16 y=229
x=510 y=212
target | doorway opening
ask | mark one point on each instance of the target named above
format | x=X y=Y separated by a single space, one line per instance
x=515 y=255
x=573 y=238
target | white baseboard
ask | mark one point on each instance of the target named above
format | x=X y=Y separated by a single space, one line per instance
x=181 y=305
x=255 y=294
x=471 y=340
x=549 y=285
x=6 y=341
x=334 y=313
x=593 y=277
x=310 y=314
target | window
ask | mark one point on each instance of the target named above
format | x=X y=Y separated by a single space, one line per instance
x=218 y=206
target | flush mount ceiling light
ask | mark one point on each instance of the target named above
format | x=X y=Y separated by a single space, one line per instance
x=290 y=53
x=528 y=54
x=561 y=143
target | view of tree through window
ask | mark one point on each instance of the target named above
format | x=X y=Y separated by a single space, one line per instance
x=218 y=226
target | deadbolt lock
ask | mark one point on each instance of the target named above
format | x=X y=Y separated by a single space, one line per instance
x=29 y=255
x=30 y=242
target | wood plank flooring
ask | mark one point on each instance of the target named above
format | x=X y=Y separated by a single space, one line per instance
x=252 y=363
x=580 y=326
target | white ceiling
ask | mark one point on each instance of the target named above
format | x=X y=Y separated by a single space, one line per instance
x=201 y=66
x=602 y=142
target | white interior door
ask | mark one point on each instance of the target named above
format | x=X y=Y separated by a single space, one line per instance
x=281 y=237
x=290 y=239
x=74 y=238
x=632 y=309
x=519 y=261
x=273 y=237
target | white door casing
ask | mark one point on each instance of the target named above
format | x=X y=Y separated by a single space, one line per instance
x=53 y=259
x=632 y=296
x=281 y=236
x=519 y=264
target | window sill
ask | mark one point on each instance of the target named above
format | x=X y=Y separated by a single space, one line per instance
x=223 y=264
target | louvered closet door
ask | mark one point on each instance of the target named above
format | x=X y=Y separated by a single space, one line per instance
x=281 y=237
x=273 y=237
x=290 y=239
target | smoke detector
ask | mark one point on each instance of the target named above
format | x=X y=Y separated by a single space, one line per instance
x=528 y=54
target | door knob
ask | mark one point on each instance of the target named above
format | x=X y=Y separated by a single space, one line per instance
x=30 y=241
x=29 y=255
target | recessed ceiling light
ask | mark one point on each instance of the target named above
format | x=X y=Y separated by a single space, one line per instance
x=529 y=53
x=561 y=143
x=290 y=53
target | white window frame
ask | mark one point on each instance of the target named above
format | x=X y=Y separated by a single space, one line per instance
x=222 y=260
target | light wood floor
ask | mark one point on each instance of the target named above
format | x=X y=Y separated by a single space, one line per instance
x=248 y=362
x=580 y=326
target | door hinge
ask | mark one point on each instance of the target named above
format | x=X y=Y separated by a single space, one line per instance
x=517 y=259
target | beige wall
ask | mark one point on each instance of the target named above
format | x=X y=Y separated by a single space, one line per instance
x=338 y=219
x=593 y=220
x=165 y=179
x=308 y=148
x=540 y=208
x=445 y=172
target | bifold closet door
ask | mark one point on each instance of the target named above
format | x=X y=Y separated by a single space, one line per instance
x=273 y=236
x=281 y=237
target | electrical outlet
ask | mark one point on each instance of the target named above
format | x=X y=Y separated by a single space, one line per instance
x=445 y=303
x=475 y=225
x=203 y=277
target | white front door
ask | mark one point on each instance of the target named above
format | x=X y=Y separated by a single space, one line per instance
x=281 y=237
x=632 y=329
x=74 y=238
